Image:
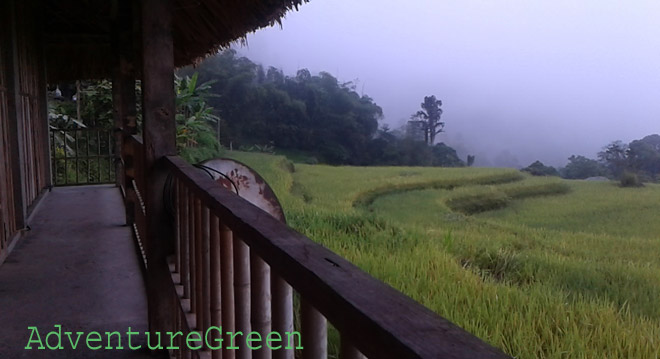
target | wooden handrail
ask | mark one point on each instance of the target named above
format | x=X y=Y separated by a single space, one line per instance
x=378 y=320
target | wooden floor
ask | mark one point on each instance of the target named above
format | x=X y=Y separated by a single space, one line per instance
x=77 y=267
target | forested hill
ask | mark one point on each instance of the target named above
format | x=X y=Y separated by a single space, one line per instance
x=315 y=114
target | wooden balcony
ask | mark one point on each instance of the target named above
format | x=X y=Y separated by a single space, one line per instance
x=209 y=257
x=231 y=265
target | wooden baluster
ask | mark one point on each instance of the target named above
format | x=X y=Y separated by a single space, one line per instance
x=177 y=246
x=185 y=242
x=227 y=263
x=216 y=287
x=282 y=313
x=177 y=327
x=242 y=295
x=348 y=351
x=206 y=275
x=199 y=264
x=191 y=251
x=314 y=328
x=75 y=140
x=260 y=302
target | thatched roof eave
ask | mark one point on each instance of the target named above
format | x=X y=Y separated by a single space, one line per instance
x=78 y=34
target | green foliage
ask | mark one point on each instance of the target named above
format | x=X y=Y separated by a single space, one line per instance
x=445 y=156
x=630 y=179
x=96 y=109
x=94 y=100
x=539 y=169
x=614 y=157
x=644 y=156
x=580 y=167
x=195 y=137
x=311 y=113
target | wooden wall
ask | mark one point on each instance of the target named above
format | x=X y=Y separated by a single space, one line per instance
x=24 y=150
x=7 y=213
x=32 y=97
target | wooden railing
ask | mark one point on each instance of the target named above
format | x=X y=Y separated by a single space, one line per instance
x=237 y=267
x=133 y=188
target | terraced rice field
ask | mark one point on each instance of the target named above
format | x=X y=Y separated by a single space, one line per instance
x=540 y=267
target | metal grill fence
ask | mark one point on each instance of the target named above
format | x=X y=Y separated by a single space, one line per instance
x=82 y=156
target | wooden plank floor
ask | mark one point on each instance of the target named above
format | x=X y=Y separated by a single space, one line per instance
x=77 y=267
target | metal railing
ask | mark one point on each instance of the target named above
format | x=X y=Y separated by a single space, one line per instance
x=82 y=156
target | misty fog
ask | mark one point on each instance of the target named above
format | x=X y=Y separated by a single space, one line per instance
x=519 y=80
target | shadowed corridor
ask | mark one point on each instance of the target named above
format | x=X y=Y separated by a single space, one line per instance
x=76 y=267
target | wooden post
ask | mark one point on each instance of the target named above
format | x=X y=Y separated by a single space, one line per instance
x=184 y=244
x=159 y=133
x=314 y=332
x=260 y=300
x=44 y=127
x=178 y=197
x=206 y=275
x=124 y=109
x=242 y=294
x=199 y=264
x=192 y=294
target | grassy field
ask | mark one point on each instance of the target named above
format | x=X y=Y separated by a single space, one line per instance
x=540 y=267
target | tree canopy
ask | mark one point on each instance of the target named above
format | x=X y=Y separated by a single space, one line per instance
x=539 y=169
x=313 y=113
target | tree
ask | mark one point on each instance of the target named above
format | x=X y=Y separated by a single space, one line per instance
x=428 y=119
x=445 y=156
x=580 y=167
x=470 y=160
x=644 y=156
x=615 y=158
x=539 y=169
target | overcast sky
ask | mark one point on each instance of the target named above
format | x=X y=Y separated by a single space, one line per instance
x=532 y=79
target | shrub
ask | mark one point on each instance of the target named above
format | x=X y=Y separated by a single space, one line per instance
x=630 y=179
x=539 y=169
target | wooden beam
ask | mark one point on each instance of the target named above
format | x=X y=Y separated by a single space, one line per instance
x=123 y=90
x=159 y=134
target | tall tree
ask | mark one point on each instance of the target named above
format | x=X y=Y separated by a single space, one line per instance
x=428 y=119
x=615 y=157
